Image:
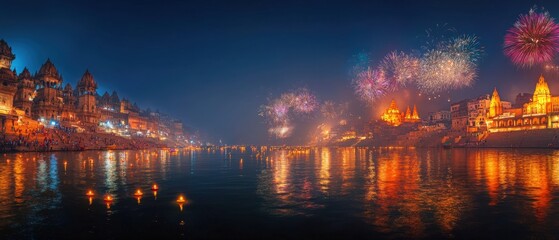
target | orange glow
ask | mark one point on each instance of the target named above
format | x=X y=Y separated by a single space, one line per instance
x=108 y=199
x=138 y=193
x=90 y=200
x=154 y=187
x=181 y=199
x=90 y=193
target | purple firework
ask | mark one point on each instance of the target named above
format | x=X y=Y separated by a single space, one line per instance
x=370 y=85
x=534 y=39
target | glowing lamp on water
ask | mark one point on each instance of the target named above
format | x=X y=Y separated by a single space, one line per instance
x=138 y=193
x=90 y=193
x=181 y=199
x=154 y=187
x=108 y=199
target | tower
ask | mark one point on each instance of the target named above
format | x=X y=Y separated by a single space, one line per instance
x=48 y=102
x=69 y=110
x=392 y=115
x=25 y=92
x=415 y=115
x=541 y=96
x=8 y=79
x=87 y=106
x=495 y=106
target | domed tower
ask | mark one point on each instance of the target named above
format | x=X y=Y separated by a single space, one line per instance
x=8 y=78
x=542 y=96
x=69 y=110
x=87 y=106
x=495 y=106
x=25 y=92
x=48 y=102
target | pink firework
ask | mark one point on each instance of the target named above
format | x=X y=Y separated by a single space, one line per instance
x=534 y=39
x=370 y=85
x=304 y=101
x=399 y=69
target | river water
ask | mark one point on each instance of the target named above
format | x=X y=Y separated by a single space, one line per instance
x=281 y=194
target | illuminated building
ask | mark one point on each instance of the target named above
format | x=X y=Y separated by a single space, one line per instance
x=412 y=117
x=7 y=78
x=40 y=98
x=69 y=109
x=25 y=92
x=540 y=113
x=392 y=115
x=48 y=102
x=87 y=103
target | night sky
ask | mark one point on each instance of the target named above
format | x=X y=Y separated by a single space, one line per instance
x=212 y=64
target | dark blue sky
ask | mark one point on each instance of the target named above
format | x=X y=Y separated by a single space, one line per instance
x=212 y=63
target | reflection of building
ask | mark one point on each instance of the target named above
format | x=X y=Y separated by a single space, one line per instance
x=539 y=113
x=392 y=116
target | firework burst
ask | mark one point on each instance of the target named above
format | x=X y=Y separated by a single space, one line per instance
x=451 y=65
x=304 y=101
x=441 y=71
x=534 y=39
x=399 y=69
x=370 y=85
x=279 y=112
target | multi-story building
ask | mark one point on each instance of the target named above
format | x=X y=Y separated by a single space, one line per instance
x=459 y=115
x=41 y=98
x=542 y=111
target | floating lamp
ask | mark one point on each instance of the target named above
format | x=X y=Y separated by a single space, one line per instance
x=138 y=193
x=108 y=199
x=154 y=187
x=181 y=199
x=90 y=193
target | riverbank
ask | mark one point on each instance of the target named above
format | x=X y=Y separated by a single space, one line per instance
x=538 y=138
x=60 y=139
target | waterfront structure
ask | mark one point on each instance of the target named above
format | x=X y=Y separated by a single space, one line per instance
x=40 y=98
x=87 y=103
x=439 y=116
x=8 y=79
x=25 y=92
x=539 y=113
x=393 y=117
x=459 y=115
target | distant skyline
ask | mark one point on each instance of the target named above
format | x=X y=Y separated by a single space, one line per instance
x=212 y=63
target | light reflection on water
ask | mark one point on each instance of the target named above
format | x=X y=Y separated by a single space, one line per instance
x=329 y=192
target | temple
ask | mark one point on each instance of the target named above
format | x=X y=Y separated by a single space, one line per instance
x=31 y=100
x=541 y=112
x=393 y=117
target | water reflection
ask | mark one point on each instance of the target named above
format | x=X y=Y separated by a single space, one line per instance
x=401 y=193
x=410 y=192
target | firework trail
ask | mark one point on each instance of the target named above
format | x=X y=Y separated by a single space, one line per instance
x=534 y=39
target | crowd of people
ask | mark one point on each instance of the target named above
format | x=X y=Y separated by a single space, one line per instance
x=59 y=138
